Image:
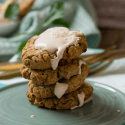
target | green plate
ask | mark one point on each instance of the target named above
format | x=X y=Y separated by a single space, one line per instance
x=16 y=110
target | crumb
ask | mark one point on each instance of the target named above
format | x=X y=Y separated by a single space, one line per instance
x=115 y=96
x=118 y=110
x=0 y=123
x=32 y=116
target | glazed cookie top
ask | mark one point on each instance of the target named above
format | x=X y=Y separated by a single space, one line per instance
x=55 y=44
x=57 y=39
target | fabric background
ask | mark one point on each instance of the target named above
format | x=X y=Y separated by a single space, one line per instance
x=80 y=13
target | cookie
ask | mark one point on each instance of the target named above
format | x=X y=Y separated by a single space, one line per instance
x=57 y=44
x=67 y=101
x=50 y=91
x=46 y=77
x=50 y=76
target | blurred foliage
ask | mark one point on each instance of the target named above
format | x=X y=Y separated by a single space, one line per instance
x=12 y=11
x=55 y=18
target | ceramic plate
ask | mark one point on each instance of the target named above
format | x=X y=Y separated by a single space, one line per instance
x=103 y=109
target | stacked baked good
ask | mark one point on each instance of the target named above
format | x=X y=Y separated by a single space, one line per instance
x=56 y=73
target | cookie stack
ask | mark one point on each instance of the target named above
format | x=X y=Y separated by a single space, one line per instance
x=56 y=73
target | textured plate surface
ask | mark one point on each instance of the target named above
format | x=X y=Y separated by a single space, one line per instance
x=16 y=110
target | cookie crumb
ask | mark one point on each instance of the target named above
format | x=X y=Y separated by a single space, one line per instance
x=118 y=110
x=0 y=123
x=32 y=116
x=115 y=96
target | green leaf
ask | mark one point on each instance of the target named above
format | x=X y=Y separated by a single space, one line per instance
x=62 y=22
x=56 y=12
x=55 y=17
x=12 y=11
x=21 y=46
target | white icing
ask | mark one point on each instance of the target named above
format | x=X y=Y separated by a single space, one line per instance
x=81 y=98
x=80 y=64
x=60 y=89
x=84 y=102
x=57 y=39
x=87 y=100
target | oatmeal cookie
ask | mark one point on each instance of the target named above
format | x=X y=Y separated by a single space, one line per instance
x=48 y=91
x=67 y=101
x=50 y=76
x=41 y=59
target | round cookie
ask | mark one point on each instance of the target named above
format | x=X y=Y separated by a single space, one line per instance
x=40 y=77
x=49 y=91
x=41 y=59
x=50 y=76
x=67 y=101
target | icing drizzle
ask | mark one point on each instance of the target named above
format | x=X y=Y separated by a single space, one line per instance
x=60 y=89
x=57 y=40
x=80 y=64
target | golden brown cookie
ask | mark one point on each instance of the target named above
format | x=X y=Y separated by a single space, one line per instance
x=40 y=59
x=67 y=101
x=50 y=76
x=48 y=91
